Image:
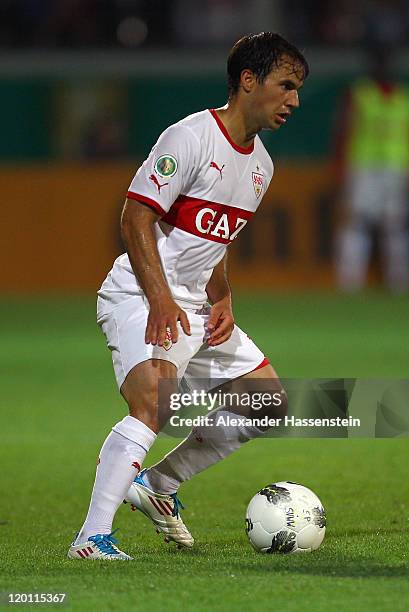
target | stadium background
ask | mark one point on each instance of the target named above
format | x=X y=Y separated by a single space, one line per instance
x=86 y=87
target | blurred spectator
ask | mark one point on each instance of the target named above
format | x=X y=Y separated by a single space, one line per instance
x=372 y=167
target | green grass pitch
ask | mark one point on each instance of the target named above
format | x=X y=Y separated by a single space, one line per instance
x=59 y=399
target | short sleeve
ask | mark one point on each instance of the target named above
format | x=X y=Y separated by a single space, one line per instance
x=168 y=171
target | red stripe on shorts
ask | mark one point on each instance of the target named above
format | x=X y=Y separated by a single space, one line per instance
x=262 y=364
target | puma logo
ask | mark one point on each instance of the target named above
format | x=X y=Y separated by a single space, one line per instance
x=158 y=185
x=220 y=170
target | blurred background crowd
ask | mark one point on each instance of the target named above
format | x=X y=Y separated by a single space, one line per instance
x=54 y=24
x=87 y=86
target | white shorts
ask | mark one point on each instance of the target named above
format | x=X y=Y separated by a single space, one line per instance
x=377 y=195
x=124 y=328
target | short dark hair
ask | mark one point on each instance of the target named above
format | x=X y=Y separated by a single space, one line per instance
x=260 y=53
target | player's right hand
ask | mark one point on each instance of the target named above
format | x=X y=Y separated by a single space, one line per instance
x=164 y=314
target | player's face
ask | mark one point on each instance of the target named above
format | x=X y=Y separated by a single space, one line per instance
x=275 y=99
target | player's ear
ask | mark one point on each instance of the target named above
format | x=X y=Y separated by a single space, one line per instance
x=247 y=80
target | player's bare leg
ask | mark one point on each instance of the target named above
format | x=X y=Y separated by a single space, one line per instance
x=206 y=446
x=141 y=391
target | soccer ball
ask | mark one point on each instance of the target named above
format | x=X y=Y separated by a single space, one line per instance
x=285 y=517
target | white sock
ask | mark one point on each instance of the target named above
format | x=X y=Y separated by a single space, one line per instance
x=204 y=447
x=120 y=460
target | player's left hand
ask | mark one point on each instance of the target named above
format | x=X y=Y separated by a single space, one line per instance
x=221 y=322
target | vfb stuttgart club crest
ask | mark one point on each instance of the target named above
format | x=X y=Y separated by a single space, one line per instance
x=258 y=182
x=168 y=342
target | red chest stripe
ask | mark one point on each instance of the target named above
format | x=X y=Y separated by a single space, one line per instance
x=209 y=220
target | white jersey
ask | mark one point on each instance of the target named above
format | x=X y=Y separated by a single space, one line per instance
x=206 y=189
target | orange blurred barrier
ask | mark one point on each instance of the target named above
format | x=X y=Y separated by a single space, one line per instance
x=61 y=228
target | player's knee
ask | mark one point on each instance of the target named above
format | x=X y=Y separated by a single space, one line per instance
x=149 y=383
x=145 y=392
x=147 y=401
x=144 y=410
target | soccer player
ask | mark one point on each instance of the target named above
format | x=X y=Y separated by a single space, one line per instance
x=165 y=307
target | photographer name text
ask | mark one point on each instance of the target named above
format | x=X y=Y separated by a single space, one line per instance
x=238 y=421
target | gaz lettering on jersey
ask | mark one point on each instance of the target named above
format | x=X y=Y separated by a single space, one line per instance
x=206 y=224
x=209 y=220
